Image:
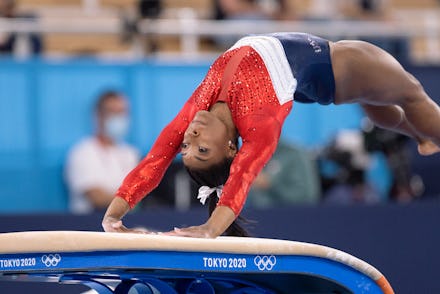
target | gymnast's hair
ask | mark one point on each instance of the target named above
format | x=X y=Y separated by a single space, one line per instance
x=214 y=176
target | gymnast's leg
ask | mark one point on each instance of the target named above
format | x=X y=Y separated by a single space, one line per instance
x=392 y=117
x=390 y=96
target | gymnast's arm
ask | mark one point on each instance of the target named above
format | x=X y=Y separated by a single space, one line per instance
x=259 y=143
x=148 y=174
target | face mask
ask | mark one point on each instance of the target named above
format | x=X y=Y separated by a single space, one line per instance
x=116 y=127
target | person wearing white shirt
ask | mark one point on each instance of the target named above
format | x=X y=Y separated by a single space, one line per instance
x=97 y=165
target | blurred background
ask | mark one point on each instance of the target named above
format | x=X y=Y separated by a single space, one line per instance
x=335 y=179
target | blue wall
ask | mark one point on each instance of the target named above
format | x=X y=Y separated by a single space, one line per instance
x=46 y=106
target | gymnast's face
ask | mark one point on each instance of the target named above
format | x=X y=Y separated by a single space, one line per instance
x=205 y=142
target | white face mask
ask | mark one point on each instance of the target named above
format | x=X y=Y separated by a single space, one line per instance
x=116 y=127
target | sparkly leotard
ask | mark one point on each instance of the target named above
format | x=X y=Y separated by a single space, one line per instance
x=255 y=80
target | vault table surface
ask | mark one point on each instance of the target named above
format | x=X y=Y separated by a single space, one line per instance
x=119 y=263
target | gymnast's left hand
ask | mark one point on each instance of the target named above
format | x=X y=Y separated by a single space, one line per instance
x=116 y=226
x=221 y=218
x=202 y=231
x=112 y=221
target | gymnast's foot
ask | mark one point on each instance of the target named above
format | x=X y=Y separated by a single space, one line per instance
x=428 y=148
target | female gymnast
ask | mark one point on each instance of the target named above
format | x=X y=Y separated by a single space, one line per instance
x=248 y=92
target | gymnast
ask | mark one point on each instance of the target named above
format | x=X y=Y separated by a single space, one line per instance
x=248 y=92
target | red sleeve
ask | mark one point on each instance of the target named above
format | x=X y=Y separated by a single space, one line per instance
x=259 y=143
x=148 y=174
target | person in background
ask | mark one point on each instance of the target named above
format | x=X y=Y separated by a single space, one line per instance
x=406 y=186
x=151 y=10
x=97 y=165
x=290 y=177
x=246 y=10
x=12 y=43
x=343 y=165
x=377 y=11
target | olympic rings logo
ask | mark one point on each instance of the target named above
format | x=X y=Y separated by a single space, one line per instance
x=51 y=259
x=265 y=262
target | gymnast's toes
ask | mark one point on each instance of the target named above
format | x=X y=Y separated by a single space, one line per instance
x=428 y=148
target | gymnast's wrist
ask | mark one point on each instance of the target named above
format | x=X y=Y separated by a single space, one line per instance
x=211 y=230
x=110 y=219
x=117 y=208
x=221 y=218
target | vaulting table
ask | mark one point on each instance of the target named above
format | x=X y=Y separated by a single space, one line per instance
x=118 y=263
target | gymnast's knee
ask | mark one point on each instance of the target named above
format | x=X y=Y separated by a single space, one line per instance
x=388 y=117
x=401 y=118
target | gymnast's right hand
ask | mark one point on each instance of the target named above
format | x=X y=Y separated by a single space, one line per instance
x=116 y=226
x=112 y=221
x=110 y=224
